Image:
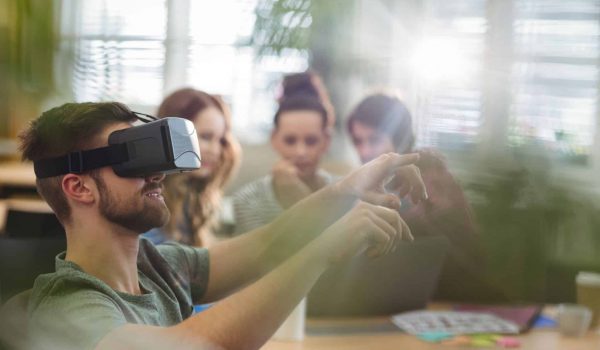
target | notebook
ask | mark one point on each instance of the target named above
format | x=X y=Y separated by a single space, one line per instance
x=522 y=315
x=453 y=322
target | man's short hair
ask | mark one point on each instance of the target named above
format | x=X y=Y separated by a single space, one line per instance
x=61 y=130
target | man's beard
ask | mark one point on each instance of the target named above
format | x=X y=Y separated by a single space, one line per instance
x=128 y=214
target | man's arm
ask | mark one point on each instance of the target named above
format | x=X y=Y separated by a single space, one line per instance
x=247 y=319
x=239 y=261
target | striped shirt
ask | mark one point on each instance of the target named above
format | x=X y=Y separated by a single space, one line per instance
x=256 y=204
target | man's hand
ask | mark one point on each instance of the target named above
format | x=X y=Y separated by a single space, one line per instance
x=368 y=228
x=289 y=188
x=384 y=180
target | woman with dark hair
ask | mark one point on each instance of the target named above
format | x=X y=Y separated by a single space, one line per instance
x=301 y=136
x=194 y=198
x=309 y=84
x=381 y=123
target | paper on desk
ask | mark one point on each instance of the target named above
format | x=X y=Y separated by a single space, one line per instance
x=453 y=322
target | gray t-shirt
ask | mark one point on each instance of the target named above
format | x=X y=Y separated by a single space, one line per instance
x=70 y=309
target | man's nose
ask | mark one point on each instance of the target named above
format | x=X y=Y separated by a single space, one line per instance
x=155 y=177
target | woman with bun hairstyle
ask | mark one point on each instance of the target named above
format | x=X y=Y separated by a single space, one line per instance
x=194 y=198
x=301 y=136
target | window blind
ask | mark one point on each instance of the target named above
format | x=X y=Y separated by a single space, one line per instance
x=120 y=56
x=555 y=76
x=448 y=73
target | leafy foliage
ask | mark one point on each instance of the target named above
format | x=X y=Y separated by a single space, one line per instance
x=281 y=25
x=526 y=221
x=288 y=24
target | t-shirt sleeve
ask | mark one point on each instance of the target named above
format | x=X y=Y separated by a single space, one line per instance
x=192 y=262
x=73 y=320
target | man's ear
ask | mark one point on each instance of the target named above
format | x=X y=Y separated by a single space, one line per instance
x=79 y=188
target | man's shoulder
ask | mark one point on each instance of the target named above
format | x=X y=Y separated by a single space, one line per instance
x=67 y=285
x=71 y=310
x=157 y=252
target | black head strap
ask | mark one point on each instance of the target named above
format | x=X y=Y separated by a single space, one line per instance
x=81 y=161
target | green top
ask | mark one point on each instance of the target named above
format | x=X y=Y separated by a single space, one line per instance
x=70 y=309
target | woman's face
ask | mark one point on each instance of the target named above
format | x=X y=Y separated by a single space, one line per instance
x=210 y=127
x=369 y=142
x=301 y=139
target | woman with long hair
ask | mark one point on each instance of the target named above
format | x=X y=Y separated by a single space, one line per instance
x=301 y=136
x=194 y=198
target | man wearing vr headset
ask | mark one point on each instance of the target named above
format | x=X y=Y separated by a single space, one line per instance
x=112 y=290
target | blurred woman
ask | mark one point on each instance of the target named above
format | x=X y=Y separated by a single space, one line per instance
x=301 y=136
x=194 y=198
x=381 y=123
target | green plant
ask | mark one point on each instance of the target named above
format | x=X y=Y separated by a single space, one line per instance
x=281 y=25
x=296 y=24
x=526 y=220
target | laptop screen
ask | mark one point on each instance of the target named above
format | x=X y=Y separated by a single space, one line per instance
x=400 y=281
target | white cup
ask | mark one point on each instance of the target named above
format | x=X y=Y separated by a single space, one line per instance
x=573 y=320
x=293 y=327
x=588 y=294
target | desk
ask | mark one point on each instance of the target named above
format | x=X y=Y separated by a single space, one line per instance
x=17 y=174
x=25 y=205
x=542 y=339
x=17 y=180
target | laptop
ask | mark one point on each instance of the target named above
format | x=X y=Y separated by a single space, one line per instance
x=400 y=281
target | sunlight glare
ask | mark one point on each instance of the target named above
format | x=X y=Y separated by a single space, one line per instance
x=438 y=59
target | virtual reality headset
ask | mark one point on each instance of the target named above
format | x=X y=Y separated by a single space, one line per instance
x=167 y=145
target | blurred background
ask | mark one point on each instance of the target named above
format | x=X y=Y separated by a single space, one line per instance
x=507 y=90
